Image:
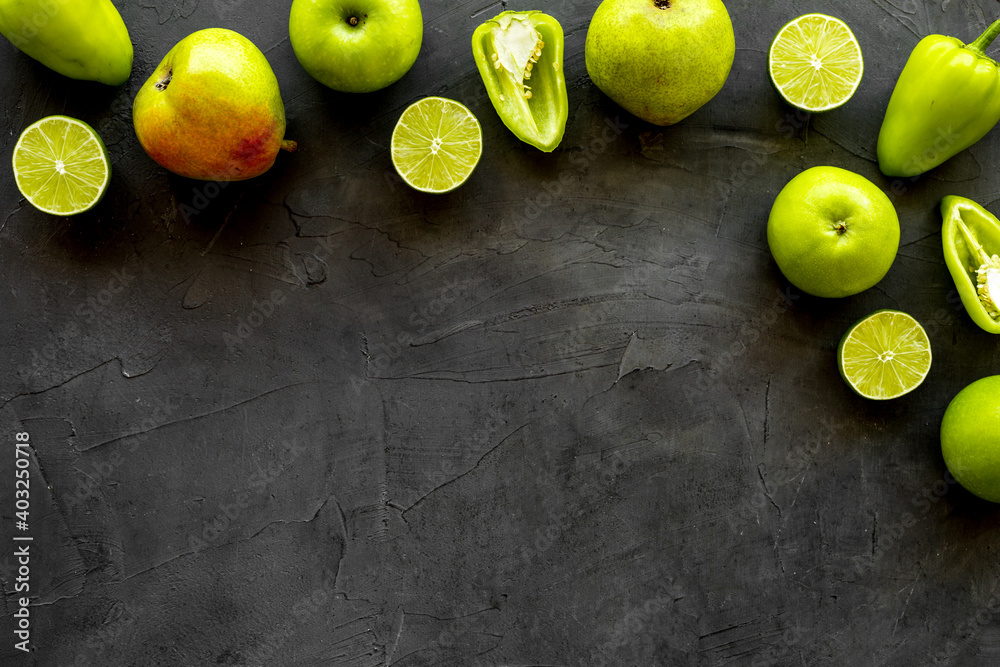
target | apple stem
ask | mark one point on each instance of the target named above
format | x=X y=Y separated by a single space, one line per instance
x=662 y=4
x=353 y=20
x=289 y=145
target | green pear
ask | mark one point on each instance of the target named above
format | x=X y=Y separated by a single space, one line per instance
x=660 y=59
x=212 y=109
x=82 y=39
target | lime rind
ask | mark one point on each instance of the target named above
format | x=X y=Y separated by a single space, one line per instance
x=884 y=356
x=61 y=166
x=815 y=62
x=436 y=145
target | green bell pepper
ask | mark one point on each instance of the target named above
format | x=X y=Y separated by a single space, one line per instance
x=946 y=99
x=971 y=238
x=520 y=57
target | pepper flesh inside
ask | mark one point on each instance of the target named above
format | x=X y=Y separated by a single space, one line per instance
x=518 y=47
x=987 y=273
x=972 y=248
x=519 y=57
x=988 y=285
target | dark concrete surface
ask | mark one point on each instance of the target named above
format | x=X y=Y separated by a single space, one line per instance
x=570 y=414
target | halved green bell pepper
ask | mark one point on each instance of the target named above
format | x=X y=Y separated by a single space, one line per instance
x=946 y=99
x=520 y=57
x=971 y=238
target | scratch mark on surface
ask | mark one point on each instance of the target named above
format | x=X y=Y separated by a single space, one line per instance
x=906 y=22
x=199 y=416
x=9 y=216
x=503 y=440
x=766 y=492
x=874 y=534
x=913 y=587
x=285 y=521
x=767 y=414
x=56 y=386
x=922 y=238
x=395 y=643
x=276 y=45
x=230 y=543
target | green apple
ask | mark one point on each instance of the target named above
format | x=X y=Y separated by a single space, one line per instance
x=660 y=59
x=81 y=39
x=970 y=438
x=832 y=232
x=356 y=46
x=212 y=109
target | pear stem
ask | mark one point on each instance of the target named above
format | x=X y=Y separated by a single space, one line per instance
x=289 y=145
x=984 y=40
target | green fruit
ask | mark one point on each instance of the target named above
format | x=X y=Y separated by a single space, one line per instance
x=885 y=355
x=82 y=39
x=815 y=62
x=970 y=438
x=660 y=59
x=436 y=145
x=212 y=109
x=356 y=46
x=832 y=232
x=61 y=166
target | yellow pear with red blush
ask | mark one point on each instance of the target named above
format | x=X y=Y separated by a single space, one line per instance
x=212 y=109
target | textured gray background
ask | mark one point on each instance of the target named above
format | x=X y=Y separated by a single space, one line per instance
x=568 y=415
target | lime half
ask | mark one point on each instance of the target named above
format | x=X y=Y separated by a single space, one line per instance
x=885 y=355
x=815 y=62
x=436 y=144
x=61 y=166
